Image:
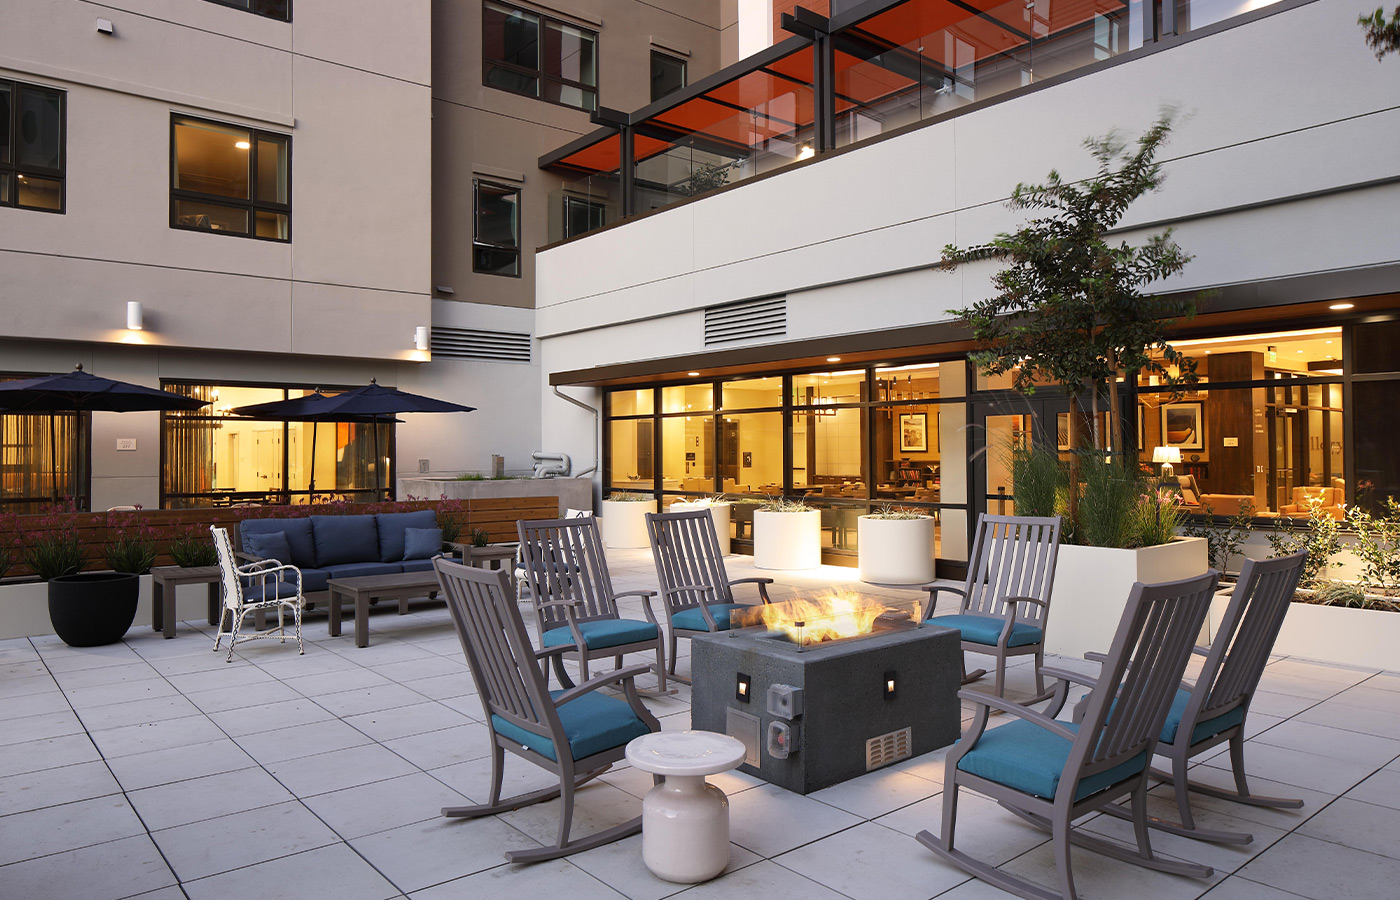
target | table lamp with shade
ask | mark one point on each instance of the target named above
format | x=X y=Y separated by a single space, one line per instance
x=1166 y=457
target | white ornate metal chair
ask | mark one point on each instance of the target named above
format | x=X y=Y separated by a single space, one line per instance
x=577 y=734
x=696 y=592
x=1051 y=773
x=575 y=604
x=259 y=586
x=1006 y=599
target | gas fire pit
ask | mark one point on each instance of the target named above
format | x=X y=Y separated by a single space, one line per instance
x=822 y=691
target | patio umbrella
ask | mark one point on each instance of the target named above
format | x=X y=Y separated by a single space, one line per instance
x=77 y=391
x=372 y=403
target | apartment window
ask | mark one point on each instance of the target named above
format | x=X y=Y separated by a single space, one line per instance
x=31 y=147
x=667 y=74
x=582 y=216
x=230 y=179
x=272 y=9
x=526 y=53
x=496 y=242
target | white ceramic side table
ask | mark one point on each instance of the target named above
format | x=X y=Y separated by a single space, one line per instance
x=685 y=822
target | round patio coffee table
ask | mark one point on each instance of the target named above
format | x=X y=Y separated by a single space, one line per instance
x=685 y=821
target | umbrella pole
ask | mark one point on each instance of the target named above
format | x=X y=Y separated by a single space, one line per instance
x=53 y=459
x=375 y=426
x=313 y=462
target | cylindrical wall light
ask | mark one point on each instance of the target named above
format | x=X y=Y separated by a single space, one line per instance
x=420 y=337
x=133 y=315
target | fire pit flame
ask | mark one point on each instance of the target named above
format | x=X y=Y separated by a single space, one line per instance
x=836 y=615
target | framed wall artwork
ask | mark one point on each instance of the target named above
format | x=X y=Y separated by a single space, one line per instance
x=913 y=433
x=1183 y=425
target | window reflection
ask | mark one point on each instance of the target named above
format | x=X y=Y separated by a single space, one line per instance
x=751 y=453
x=631 y=457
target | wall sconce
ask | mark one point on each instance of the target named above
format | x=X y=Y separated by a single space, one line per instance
x=889 y=685
x=133 y=315
x=742 y=687
x=1166 y=456
x=420 y=337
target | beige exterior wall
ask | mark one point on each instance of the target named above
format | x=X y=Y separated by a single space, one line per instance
x=337 y=305
x=482 y=132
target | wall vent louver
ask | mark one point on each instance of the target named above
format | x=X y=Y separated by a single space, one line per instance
x=472 y=343
x=746 y=321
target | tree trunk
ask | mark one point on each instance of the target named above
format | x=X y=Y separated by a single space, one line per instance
x=1115 y=416
x=1075 y=445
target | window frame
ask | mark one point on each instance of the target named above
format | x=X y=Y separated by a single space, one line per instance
x=253 y=205
x=14 y=169
x=477 y=242
x=669 y=57
x=247 y=6
x=538 y=73
x=590 y=207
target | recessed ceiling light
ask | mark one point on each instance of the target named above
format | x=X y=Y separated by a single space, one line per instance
x=1329 y=342
x=1207 y=353
x=833 y=359
x=1342 y=306
x=692 y=374
x=242 y=145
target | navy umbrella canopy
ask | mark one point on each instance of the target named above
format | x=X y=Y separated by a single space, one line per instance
x=78 y=391
x=371 y=404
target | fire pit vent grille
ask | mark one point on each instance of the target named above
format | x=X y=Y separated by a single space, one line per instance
x=888 y=748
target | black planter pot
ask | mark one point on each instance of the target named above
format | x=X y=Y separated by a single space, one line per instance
x=93 y=608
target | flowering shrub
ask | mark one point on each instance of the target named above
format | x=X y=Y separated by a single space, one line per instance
x=52 y=546
x=1154 y=518
x=192 y=547
x=132 y=548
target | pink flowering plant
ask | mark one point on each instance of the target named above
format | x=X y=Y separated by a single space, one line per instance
x=51 y=543
x=132 y=546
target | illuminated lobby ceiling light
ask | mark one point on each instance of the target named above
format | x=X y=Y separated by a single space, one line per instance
x=242 y=145
x=1341 y=306
x=692 y=374
x=833 y=359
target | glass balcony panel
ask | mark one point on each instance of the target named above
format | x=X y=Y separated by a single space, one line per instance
x=584 y=205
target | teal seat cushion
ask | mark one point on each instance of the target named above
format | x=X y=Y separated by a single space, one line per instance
x=1029 y=758
x=602 y=633
x=986 y=630
x=1203 y=729
x=592 y=723
x=694 y=620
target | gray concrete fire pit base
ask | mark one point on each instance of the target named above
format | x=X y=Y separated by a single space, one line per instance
x=846 y=721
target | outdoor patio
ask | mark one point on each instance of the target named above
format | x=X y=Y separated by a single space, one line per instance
x=151 y=768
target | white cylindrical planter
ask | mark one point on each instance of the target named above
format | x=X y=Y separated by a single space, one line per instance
x=719 y=512
x=787 y=540
x=624 y=523
x=895 y=551
x=685 y=822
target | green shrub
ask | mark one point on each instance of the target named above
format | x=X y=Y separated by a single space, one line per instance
x=132 y=548
x=1319 y=535
x=1038 y=480
x=53 y=548
x=193 y=547
x=1223 y=543
x=1108 y=503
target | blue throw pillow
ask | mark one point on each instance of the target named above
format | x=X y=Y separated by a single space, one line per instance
x=421 y=543
x=268 y=545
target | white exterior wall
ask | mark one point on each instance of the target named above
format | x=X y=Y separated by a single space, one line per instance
x=1253 y=131
x=347 y=79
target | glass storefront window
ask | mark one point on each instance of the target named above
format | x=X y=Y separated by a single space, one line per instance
x=1377 y=463
x=687 y=398
x=828 y=452
x=687 y=461
x=1275 y=448
x=909 y=443
x=631 y=458
x=828 y=388
x=1250 y=357
x=918 y=382
x=632 y=403
x=38 y=456
x=752 y=393
x=1376 y=347
x=751 y=453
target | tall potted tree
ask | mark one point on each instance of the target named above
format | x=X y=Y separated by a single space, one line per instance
x=1069 y=306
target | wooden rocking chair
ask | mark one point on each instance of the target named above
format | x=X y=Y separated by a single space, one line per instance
x=577 y=734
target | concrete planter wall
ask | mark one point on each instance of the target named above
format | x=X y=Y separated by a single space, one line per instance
x=1333 y=634
x=624 y=523
x=719 y=512
x=787 y=540
x=24 y=608
x=1092 y=585
x=895 y=551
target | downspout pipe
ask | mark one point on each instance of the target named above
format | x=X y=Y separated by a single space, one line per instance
x=584 y=406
